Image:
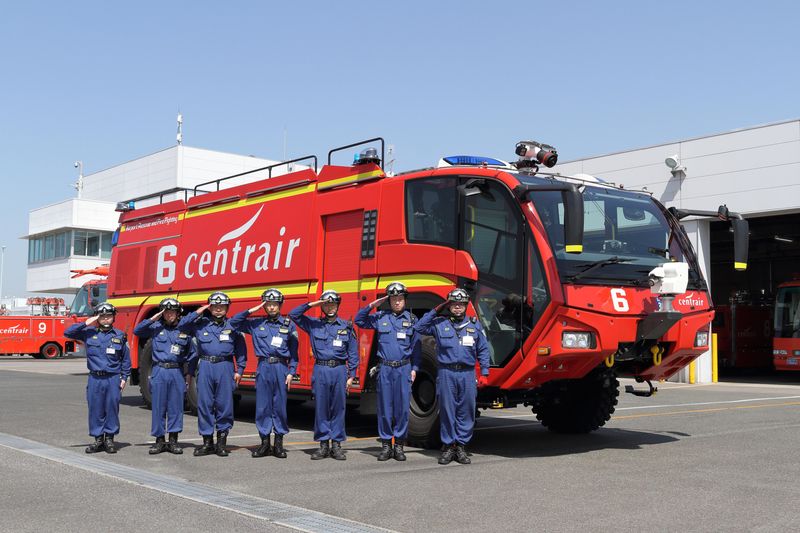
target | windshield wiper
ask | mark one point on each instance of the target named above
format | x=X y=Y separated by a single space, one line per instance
x=597 y=264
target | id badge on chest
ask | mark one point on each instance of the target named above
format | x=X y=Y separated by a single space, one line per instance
x=337 y=343
x=175 y=349
x=276 y=341
x=110 y=350
x=401 y=334
x=467 y=340
x=224 y=337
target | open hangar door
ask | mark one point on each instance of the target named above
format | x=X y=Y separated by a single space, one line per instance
x=744 y=301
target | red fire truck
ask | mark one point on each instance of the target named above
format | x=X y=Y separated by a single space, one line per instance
x=786 y=343
x=559 y=268
x=38 y=335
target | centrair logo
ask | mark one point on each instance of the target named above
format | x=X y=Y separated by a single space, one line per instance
x=227 y=259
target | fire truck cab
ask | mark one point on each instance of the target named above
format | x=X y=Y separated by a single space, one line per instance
x=574 y=279
x=786 y=342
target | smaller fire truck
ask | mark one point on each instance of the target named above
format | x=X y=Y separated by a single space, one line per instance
x=39 y=336
x=786 y=343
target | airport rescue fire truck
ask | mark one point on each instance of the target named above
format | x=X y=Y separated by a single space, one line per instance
x=574 y=279
x=786 y=343
x=41 y=336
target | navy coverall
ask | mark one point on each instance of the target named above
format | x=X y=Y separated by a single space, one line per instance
x=336 y=359
x=459 y=344
x=109 y=362
x=399 y=349
x=172 y=352
x=217 y=345
x=275 y=343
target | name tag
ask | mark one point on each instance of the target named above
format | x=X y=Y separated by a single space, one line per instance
x=337 y=343
x=276 y=341
x=406 y=324
x=175 y=349
x=401 y=334
x=466 y=340
x=283 y=330
x=224 y=337
x=111 y=350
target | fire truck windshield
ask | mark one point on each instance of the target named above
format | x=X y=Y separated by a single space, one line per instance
x=87 y=297
x=626 y=234
x=787 y=313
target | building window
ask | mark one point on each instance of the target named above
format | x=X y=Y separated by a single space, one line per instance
x=64 y=244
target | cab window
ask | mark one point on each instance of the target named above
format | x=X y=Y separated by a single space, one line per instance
x=431 y=211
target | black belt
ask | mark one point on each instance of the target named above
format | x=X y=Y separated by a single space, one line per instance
x=216 y=359
x=457 y=366
x=396 y=364
x=102 y=373
x=272 y=360
x=170 y=365
x=329 y=362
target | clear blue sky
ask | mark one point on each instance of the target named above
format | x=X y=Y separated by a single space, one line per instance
x=102 y=81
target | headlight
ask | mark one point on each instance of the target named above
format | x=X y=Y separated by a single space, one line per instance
x=701 y=339
x=576 y=339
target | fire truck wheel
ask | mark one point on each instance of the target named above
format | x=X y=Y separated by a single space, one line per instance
x=145 y=363
x=423 y=419
x=50 y=350
x=578 y=405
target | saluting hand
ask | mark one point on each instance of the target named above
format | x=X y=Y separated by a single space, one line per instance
x=289 y=378
x=378 y=302
x=256 y=308
x=157 y=315
x=316 y=303
x=441 y=306
x=200 y=310
x=91 y=320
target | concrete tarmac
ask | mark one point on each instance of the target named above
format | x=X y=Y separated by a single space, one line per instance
x=719 y=457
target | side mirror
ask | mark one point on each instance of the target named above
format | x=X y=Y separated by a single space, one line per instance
x=741 y=242
x=573 y=211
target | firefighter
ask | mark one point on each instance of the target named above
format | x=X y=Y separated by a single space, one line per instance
x=336 y=360
x=460 y=342
x=217 y=345
x=399 y=351
x=109 y=362
x=173 y=352
x=275 y=343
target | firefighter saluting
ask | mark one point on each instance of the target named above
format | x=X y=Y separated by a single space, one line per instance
x=173 y=351
x=275 y=343
x=336 y=361
x=399 y=351
x=217 y=345
x=109 y=362
x=460 y=341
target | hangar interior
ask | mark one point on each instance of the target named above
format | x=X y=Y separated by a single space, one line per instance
x=744 y=301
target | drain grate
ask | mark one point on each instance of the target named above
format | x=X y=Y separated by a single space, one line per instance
x=275 y=512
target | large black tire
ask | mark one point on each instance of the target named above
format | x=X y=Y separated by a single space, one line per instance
x=423 y=419
x=50 y=350
x=145 y=364
x=578 y=405
x=190 y=401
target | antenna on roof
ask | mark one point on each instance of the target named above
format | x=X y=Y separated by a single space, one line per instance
x=180 y=128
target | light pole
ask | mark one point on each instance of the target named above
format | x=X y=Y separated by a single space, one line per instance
x=2 y=264
x=79 y=184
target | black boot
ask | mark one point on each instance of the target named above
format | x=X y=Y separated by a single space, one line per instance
x=207 y=447
x=461 y=455
x=399 y=454
x=97 y=446
x=110 y=448
x=278 y=450
x=323 y=452
x=386 y=451
x=159 y=447
x=222 y=440
x=172 y=445
x=448 y=452
x=262 y=450
x=336 y=451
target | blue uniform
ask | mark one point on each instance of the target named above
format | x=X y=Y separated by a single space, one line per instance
x=217 y=345
x=399 y=350
x=275 y=343
x=173 y=351
x=336 y=359
x=109 y=362
x=459 y=345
